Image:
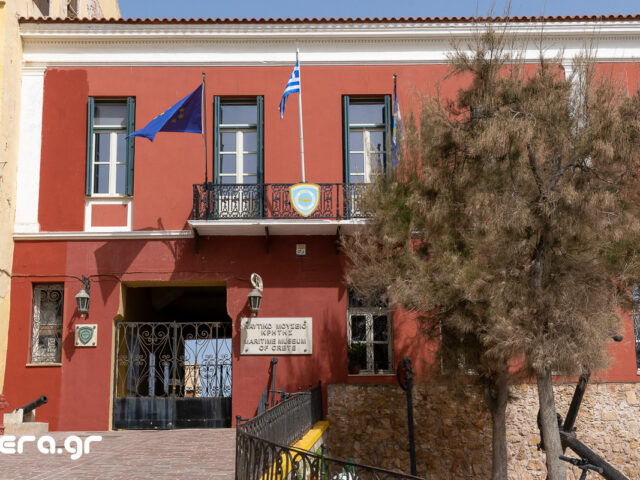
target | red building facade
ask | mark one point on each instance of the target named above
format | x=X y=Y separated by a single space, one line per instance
x=167 y=259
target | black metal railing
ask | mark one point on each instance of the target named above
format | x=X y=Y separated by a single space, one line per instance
x=260 y=459
x=289 y=420
x=264 y=451
x=213 y=201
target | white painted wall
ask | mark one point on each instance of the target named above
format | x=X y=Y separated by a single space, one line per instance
x=29 y=148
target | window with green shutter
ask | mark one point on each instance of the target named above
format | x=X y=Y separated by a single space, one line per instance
x=110 y=154
x=238 y=141
x=366 y=132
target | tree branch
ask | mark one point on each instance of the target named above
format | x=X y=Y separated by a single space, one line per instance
x=533 y=163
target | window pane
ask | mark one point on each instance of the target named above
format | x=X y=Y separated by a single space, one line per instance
x=101 y=178
x=356 y=162
x=355 y=141
x=50 y=305
x=250 y=179
x=121 y=178
x=228 y=180
x=377 y=163
x=376 y=141
x=239 y=114
x=109 y=114
x=356 y=178
x=380 y=330
x=366 y=113
x=102 y=147
x=228 y=141
x=121 y=149
x=228 y=163
x=358 y=328
x=250 y=161
x=250 y=140
x=381 y=356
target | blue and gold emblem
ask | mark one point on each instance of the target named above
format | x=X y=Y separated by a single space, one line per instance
x=305 y=198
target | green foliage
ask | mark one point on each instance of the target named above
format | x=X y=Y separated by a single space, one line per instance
x=512 y=216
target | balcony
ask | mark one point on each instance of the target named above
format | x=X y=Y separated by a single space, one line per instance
x=258 y=209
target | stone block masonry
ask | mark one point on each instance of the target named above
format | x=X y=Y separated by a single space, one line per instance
x=453 y=438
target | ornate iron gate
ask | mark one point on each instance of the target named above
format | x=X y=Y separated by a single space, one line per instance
x=172 y=375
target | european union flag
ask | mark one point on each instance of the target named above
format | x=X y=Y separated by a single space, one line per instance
x=184 y=116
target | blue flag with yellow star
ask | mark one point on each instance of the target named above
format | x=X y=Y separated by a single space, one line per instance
x=184 y=116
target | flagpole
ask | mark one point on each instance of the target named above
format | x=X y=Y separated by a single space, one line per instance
x=300 y=115
x=204 y=127
x=394 y=132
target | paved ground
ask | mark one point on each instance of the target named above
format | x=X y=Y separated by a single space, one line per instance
x=131 y=455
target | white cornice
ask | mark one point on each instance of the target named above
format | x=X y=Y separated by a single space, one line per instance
x=260 y=227
x=93 y=44
x=30 y=31
x=136 y=235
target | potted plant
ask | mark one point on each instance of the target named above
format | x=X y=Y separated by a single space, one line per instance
x=357 y=357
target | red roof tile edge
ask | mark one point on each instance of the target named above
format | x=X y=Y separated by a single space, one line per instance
x=190 y=21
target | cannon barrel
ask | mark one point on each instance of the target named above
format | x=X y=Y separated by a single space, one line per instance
x=38 y=402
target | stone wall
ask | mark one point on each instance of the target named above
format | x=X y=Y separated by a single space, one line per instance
x=453 y=438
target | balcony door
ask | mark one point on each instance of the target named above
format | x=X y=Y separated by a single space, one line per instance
x=238 y=164
x=366 y=127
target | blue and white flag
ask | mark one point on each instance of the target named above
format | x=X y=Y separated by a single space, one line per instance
x=184 y=116
x=293 y=86
x=397 y=126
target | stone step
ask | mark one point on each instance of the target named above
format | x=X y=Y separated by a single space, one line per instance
x=26 y=428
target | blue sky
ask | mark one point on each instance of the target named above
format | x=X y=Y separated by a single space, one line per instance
x=366 y=8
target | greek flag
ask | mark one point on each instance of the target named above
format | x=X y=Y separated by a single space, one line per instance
x=293 y=86
x=397 y=126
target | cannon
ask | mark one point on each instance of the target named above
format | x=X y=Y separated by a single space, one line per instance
x=22 y=421
x=29 y=407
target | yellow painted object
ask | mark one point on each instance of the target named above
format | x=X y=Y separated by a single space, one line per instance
x=305 y=443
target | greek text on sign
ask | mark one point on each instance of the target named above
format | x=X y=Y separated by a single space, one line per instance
x=276 y=336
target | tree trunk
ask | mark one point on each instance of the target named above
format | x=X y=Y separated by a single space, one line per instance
x=497 y=397
x=499 y=440
x=551 y=434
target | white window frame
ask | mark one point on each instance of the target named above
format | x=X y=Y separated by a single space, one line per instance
x=369 y=313
x=239 y=151
x=113 y=160
x=370 y=168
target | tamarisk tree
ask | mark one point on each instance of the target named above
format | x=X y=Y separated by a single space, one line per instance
x=511 y=221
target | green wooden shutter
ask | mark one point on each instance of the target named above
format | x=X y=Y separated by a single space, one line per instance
x=260 y=135
x=387 y=131
x=90 y=111
x=216 y=139
x=131 y=126
x=345 y=135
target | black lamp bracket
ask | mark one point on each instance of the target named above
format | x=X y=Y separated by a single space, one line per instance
x=86 y=283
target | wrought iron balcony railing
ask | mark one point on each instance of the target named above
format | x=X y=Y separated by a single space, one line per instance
x=211 y=201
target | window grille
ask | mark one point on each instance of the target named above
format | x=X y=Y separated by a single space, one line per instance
x=46 y=332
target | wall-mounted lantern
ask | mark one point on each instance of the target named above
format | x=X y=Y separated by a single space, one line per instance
x=255 y=295
x=82 y=298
